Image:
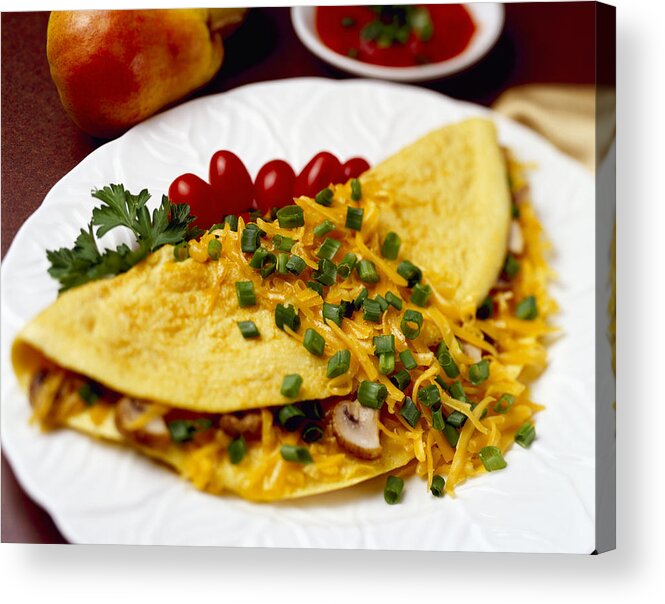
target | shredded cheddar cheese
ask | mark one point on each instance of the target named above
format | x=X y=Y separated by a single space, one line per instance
x=513 y=347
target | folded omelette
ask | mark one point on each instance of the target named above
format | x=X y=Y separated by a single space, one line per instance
x=349 y=337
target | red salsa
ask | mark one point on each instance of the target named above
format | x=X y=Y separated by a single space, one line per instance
x=396 y=36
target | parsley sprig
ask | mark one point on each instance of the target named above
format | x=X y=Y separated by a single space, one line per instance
x=168 y=224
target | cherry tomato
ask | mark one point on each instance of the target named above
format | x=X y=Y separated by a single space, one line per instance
x=201 y=198
x=323 y=169
x=273 y=187
x=231 y=182
x=354 y=167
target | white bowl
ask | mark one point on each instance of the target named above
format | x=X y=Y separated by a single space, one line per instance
x=488 y=17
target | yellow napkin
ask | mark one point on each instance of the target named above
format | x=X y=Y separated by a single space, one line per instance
x=573 y=118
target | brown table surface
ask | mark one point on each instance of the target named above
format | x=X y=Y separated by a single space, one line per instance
x=541 y=42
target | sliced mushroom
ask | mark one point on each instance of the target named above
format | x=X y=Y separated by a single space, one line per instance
x=248 y=424
x=37 y=386
x=153 y=434
x=516 y=239
x=472 y=351
x=44 y=391
x=502 y=285
x=521 y=195
x=357 y=429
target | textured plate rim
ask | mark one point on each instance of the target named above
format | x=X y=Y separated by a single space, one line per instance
x=21 y=471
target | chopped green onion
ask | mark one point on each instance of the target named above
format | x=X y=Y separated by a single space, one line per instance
x=296 y=454
x=312 y=433
x=248 y=329
x=314 y=342
x=250 y=238
x=410 y=272
x=401 y=379
x=451 y=434
x=438 y=485
x=429 y=395
x=421 y=22
x=360 y=299
x=527 y=309
x=356 y=190
x=346 y=266
x=328 y=248
x=232 y=221
x=383 y=344
x=446 y=360
x=504 y=403
x=386 y=363
x=456 y=419
x=354 y=218
x=296 y=265
x=479 y=372
x=515 y=210
x=90 y=393
x=291 y=385
x=367 y=271
x=282 y=243
x=407 y=359
x=410 y=412
x=317 y=287
x=237 y=449
x=457 y=392
x=181 y=251
x=333 y=312
x=412 y=321
x=525 y=435
x=214 y=249
x=181 y=430
x=492 y=458
x=511 y=266
x=338 y=364
x=382 y=303
x=282 y=260
x=394 y=301
x=287 y=315
x=312 y=409
x=486 y=309
x=245 y=293
x=326 y=273
x=348 y=21
x=347 y=308
x=372 y=394
x=390 y=246
x=269 y=264
x=392 y=492
x=420 y=294
x=371 y=311
x=439 y=380
x=290 y=417
x=438 y=422
x=290 y=217
x=324 y=197
x=324 y=228
x=258 y=257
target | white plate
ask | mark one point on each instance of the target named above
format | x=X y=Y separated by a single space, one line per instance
x=488 y=17
x=97 y=493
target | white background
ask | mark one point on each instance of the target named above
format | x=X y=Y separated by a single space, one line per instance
x=108 y=574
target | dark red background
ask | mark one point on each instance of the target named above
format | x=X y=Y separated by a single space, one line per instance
x=541 y=43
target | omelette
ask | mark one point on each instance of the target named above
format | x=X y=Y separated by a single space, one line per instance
x=384 y=326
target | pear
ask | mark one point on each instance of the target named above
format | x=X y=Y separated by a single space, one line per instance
x=115 y=68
